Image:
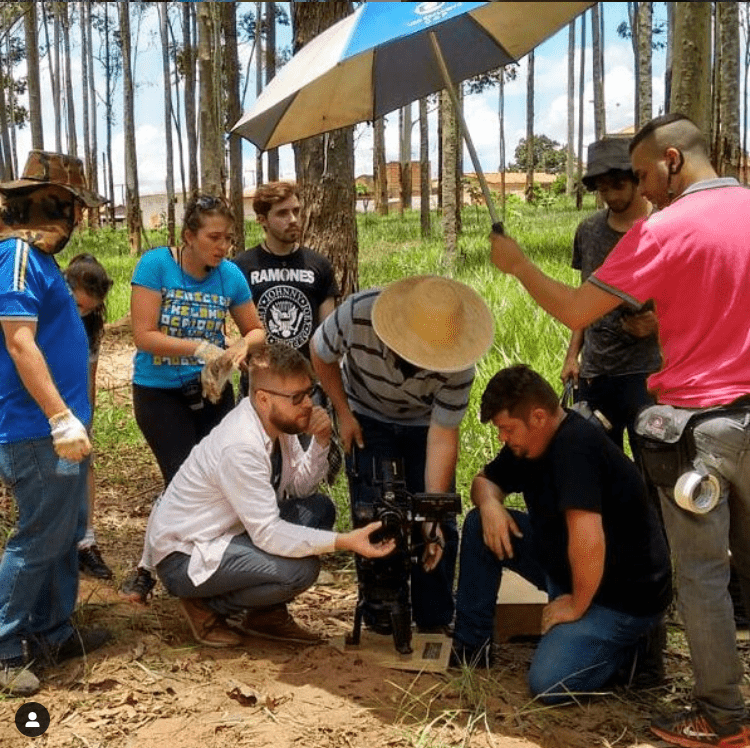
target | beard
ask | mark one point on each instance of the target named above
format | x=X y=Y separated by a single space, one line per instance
x=292 y=426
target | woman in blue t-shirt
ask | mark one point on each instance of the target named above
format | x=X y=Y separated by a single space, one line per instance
x=180 y=300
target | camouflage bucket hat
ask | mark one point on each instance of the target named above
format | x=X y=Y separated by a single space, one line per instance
x=43 y=167
x=605 y=155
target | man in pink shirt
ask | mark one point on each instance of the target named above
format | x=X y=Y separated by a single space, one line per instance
x=693 y=258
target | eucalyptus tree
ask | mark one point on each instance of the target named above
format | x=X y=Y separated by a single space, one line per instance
x=581 y=82
x=53 y=65
x=600 y=121
x=529 y=192
x=32 y=66
x=233 y=113
x=727 y=135
x=570 y=163
x=65 y=17
x=325 y=166
x=379 y=169
x=448 y=186
x=189 y=63
x=404 y=150
x=424 y=169
x=644 y=41
x=92 y=166
x=270 y=25
x=163 y=9
x=211 y=151
x=132 y=197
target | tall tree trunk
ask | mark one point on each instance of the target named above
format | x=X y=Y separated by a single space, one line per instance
x=163 y=32
x=34 y=85
x=211 y=155
x=325 y=167
x=570 y=160
x=728 y=154
x=501 y=125
x=53 y=57
x=234 y=112
x=379 y=168
x=691 y=64
x=92 y=168
x=177 y=119
x=669 y=56
x=188 y=10
x=645 y=24
x=405 y=156
x=529 y=192
x=459 y=161
x=132 y=196
x=581 y=84
x=11 y=107
x=258 y=82
x=600 y=126
x=109 y=86
x=424 y=170
x=273 y=153
x=85 y=88
x=6 y=168
x=448 y=187
x=69 y=101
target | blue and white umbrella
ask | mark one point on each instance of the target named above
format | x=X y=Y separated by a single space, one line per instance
x=388 y=54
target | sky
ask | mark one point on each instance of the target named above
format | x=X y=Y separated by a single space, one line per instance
x=480 y=111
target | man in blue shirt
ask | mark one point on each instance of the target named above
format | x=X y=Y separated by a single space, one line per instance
x=44 y=410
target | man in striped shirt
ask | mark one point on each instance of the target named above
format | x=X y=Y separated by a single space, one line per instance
x=398 y=366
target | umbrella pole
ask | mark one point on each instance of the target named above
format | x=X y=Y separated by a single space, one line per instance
x=462 y=125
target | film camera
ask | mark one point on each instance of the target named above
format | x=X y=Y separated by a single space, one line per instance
x=384 y=598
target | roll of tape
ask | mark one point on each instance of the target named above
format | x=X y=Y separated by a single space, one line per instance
x=696 y=492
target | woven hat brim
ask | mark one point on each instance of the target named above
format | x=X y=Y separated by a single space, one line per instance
x=474 y=338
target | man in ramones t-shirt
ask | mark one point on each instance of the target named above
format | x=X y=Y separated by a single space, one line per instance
x=591 y=539
x=294 y=288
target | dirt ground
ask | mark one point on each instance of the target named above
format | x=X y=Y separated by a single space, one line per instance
x=151 y=686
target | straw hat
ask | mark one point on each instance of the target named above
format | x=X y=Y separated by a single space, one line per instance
x=435 y=323
x=43 y=168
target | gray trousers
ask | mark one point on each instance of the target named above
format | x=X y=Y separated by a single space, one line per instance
x=700 y=546
x=248 y=577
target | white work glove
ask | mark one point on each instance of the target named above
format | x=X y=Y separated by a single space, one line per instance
x=69 y=437
x=208 y=352
x=214 y=378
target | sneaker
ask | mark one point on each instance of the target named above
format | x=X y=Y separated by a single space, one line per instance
x=694 y=729
x=80 y=643
x=90 y=562
x=137 y=587
x=16 y=679
x=208 y=627
x=274 y=623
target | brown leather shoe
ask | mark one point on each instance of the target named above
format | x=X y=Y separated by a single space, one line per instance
x=208 y=627
x=275 y=622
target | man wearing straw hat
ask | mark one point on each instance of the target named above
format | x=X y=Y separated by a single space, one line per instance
x=44 y=410
x=398 y=366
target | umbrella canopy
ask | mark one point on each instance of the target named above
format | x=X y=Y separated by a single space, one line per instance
x=381 y=58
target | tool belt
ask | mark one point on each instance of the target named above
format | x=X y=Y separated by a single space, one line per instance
x=665 y=446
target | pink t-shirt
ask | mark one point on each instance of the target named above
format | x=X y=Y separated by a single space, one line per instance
x=693 y=259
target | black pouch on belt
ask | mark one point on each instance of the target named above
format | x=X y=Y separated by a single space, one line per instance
x=664 y=443
x=192 y=392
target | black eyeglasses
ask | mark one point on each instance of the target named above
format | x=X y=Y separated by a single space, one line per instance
x=295 y=397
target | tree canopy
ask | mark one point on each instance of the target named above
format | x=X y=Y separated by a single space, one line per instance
x=549 y=155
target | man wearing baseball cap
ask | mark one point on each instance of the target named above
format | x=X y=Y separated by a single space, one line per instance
x=408 y=353
x=620 y=350
x=44 y=410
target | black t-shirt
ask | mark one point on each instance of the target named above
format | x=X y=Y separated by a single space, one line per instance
x=288 y=291
x=583 y=469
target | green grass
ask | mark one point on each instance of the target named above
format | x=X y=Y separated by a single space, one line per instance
x=390 y=248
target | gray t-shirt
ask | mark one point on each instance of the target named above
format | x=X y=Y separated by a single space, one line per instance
x=607 y=347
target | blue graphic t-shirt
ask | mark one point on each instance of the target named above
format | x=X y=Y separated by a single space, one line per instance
x=190 y=308
x=32 y=289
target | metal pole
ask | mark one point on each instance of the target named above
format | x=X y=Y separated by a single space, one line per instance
x=464 y=129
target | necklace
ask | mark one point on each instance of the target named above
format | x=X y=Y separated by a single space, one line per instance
x=265 y=247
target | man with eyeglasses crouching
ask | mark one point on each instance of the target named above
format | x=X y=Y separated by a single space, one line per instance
x=240 y=528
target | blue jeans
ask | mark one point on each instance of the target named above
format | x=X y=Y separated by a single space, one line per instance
x=700 y=546
x=578 y=657
x=247 y=576
x=39 y=567
x=431 y=592
x=619 y=397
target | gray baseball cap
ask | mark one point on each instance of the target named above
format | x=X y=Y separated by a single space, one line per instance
x=605 y=155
